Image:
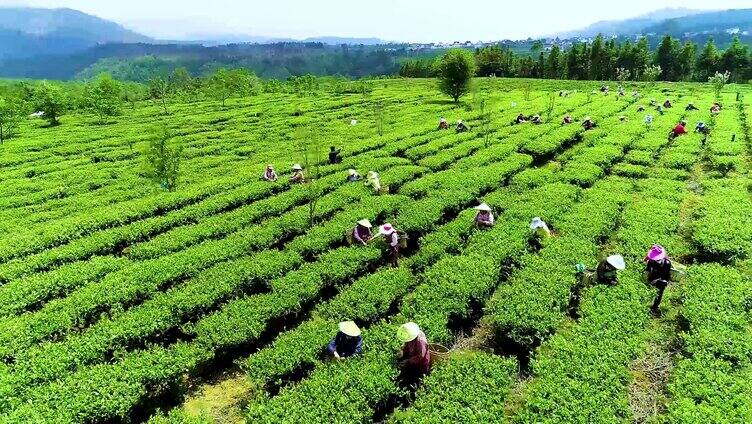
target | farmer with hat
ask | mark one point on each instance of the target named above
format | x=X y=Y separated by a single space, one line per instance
x=347 y=342
x=667 y=104
x=716 y=108
x=588 y=123
x=657 y=272
x=461 y=127
x=362 y=232
x=567 y=120
x=536 y=119
x=373 y=181
x=520 y=119
x=415 y=357
x=297 y=176
x=702 y=128
x=605 y=273
x=391 y=237
x=334 y=155
x=352 y=176
x=679 y=129
x=484 y=218
x=269 y=174
x=691 y=106
x=539 y=231
x=443 y=124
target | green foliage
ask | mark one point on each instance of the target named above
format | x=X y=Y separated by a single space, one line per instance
x=52 y=100
x=104 y=96
x=162 y=157
x=455 y=71
x=228 y=83
x=12 y=111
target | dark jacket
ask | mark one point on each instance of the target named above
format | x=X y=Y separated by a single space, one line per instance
x=345 y=345
x=658 y=270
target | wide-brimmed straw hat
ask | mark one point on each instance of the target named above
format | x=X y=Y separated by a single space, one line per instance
x=386 y=229
x=352 y=172
x=408 y=332
x=365 y=223
x=537 y=223
x=587 y=118
x=297 y=167
x=656 y=253
x=270 y=166
x=617 y=261
x=683 y=122
x=349 y=328
x=373 y=174
x=483 y=207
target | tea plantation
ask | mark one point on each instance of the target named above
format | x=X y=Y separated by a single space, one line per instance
x=121 y=301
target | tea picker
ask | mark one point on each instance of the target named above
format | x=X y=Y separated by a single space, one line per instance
x=361 y=234
x=414 y=359
x=691 y=106
x=297 y=176
x=352 y=176
x=588 y=123
x=393 y=241
x=667 y=104
x=679 y=129
x=334 y=155
x=347 y=342
x=373 y=181
x=461 y=127
x=484 y=218
x=538 y=231
x=269 y=173
x=605 y=273
x=443 y=124
x=660 y=271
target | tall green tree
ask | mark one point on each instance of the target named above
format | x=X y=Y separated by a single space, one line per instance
x=52 y=100
x=597 y=53
x=227 y=83
x=666 y=56
x=642 y=57
x=162 y=157
x=686 y=61
x=708 y=61
x=12 y=111
x=735 y=59
x=104 y=96
x=554 y=62
x=456 y=69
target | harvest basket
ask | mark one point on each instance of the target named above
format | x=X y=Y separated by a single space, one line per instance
x=439 y=353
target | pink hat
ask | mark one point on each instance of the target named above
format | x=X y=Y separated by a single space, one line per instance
x=386 y=229
x=656 y=253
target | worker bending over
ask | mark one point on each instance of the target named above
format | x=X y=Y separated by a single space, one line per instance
x=347 y=342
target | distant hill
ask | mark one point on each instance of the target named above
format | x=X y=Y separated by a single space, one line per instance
x=727 y=21
x=28 y=32
x=630 y=26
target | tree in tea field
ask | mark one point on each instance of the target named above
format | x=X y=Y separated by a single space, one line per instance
x=52 y=101
x=160 y=90
x=11 y=112
x=104 y=96
x=718 y=81
x=227 y=83
x=456 y=69
x=162 y=158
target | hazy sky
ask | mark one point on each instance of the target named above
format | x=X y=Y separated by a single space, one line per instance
x=399 y=20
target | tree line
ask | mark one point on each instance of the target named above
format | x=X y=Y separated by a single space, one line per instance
x=600 y=59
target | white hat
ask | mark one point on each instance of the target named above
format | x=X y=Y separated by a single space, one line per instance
x=459 y=121
x=354 y=122
x=408 y=332
x=349 y=328
x=442 y=120
x=587 y=118
x=373 y=174
x=483 y=207
x=617 y=261
x=297 y=167
x=537 y=223
x=352 y=172
x=365 y=223
x=270 y=166
x=386 y=229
